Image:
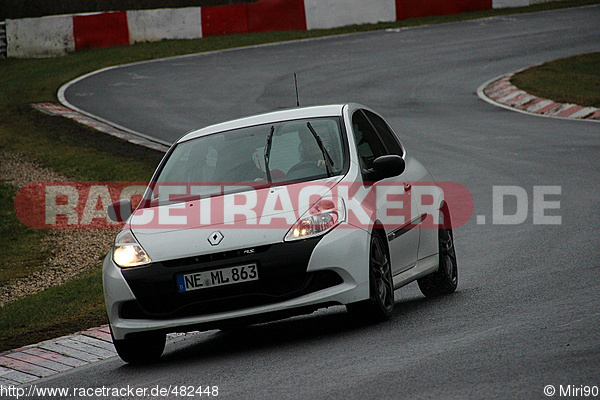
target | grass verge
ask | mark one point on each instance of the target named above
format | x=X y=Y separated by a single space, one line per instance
x=80 y=153
x=55 y=312
x=569 y=80
x=17 y=240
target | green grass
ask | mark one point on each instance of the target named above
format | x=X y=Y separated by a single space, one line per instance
x=80 y=153
x=17 y=241
x=72 y=150
x=569 y=80
x=54 y=312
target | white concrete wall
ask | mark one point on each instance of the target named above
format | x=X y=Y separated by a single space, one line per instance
x=517 y=3
x=509 y=3
x=155 y=25
x=323 y=14
x=40 y=37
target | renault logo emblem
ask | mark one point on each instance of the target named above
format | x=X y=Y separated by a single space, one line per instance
x=215 y=238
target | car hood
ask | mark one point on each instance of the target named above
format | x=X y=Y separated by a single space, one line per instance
x=214 y=224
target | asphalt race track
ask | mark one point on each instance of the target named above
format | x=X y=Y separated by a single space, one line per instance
x=527 y=312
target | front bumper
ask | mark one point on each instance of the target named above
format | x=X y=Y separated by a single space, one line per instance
x=294 y=277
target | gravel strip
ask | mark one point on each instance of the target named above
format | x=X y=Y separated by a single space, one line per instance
x=73 y=250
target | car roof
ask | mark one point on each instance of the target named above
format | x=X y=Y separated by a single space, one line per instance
x=271 y=117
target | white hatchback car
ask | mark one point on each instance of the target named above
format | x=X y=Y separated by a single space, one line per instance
x=275 y=215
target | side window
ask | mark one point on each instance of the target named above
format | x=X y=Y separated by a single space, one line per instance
x=386 y=133
x=368 y=144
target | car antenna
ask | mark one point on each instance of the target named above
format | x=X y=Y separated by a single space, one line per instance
x=296 y=85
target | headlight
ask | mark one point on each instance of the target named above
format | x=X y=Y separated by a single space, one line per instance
x=318 y=220
x=127 y=252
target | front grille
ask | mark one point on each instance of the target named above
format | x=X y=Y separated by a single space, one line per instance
x=312 y=282
x=207 y=258
x=281 y=270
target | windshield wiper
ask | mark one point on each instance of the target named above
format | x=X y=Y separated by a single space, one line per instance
x=268 y=154
x=326 y=156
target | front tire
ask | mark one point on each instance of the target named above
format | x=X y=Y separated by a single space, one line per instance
x=380 y=305
x=445 y=279
x=140 y=349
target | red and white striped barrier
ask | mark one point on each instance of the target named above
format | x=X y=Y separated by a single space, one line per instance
x=58 y=35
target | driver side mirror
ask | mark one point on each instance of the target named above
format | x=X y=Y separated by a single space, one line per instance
x=120 y=211
x=385 y=167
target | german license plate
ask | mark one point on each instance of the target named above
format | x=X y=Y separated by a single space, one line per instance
x=217 y=277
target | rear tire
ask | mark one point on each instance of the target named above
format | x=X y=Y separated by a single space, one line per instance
x=445 y=279
x=141 y=348
x=380 y=305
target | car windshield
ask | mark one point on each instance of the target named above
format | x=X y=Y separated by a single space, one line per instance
x=239 y=156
